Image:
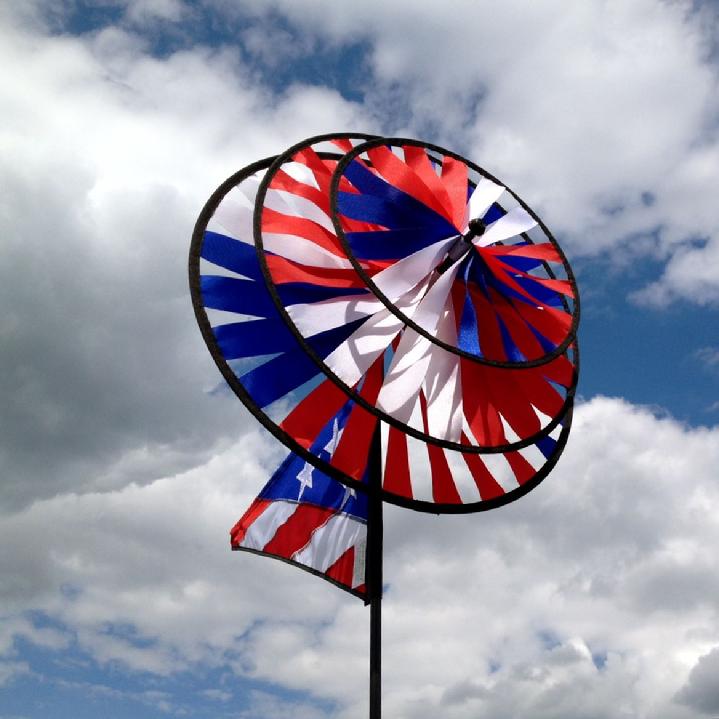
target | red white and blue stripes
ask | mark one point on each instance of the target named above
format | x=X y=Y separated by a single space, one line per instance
x=309 y=519
x=406 y=288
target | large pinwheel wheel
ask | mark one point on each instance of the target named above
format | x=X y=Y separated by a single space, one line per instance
x=401 y=320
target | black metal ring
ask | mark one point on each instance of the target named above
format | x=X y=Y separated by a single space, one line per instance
x=389 y=142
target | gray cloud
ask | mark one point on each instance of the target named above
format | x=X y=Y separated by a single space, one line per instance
x=701 y=692
x=108 y=164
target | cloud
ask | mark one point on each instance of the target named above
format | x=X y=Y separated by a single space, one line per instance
x=268 y=706
x=690 y=274
x=701 y=691
x=143 y=11
x=602 y=114
x=708 y=356
x=217 y=695
x=109 y=154
x=591 y=597
x=9 y=671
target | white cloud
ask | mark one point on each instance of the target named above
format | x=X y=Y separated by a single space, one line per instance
x=603 y=115
x=591 y=597
x=9 y=671
x=217 y=695
x=268 y=706
x=690 y=273
x=143 y=11
x=108 y=156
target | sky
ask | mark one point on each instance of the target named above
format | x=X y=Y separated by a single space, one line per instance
x=123 y=468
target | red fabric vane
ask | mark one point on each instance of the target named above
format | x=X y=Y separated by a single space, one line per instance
x=505 y=272
x=396 y=470
x=482 y=416
x=444 y=489
x=523 y=337
x=542 y=251
x=352 y=452
x=548 y=321
x=405 y=178
x=322 y=170
x=273 y=221
x=284 y=270
x=523 y=471
x=490 y=335
x=283 y=181
x=419 y=161
x=539 y=392
x=454 y=176
x=313 y=413
x=512 y=404
x=343 y=143
x=487 y=485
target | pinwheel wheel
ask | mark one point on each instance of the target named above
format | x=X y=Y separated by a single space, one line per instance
x=402 y=321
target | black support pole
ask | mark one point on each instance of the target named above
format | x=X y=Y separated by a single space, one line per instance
x=374 y=575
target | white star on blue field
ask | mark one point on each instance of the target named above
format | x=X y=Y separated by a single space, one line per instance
x=123 y=471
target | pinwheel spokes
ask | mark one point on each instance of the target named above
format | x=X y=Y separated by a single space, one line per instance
x=347 y=316
x=514 y=293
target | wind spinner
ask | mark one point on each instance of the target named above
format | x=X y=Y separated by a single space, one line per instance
x=404 y=324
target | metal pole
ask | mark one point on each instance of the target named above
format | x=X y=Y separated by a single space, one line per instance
x=374 y=576
x=375 y=659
